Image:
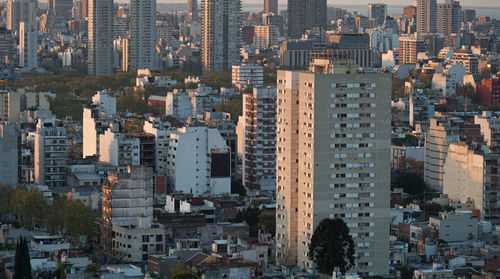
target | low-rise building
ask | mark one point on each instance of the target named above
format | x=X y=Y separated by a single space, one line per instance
x=459 y=226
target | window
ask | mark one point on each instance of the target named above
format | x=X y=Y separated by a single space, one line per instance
x=145 y=238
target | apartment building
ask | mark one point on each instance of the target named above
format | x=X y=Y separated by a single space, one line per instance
x=199 y=162
x=142 y=49
x=427 y=16
x=161 y=131
x=333 y=149
x=28 y=45
x=10 y=148
x=265 y=36
x=259 y=139
x=409 y=48
x=247 y=76
x=50 y=153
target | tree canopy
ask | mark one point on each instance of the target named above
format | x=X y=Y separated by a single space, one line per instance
x=411 y=182
x=332 y=246
x=22 y=266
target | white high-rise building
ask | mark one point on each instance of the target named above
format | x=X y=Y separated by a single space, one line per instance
x=161 y=131
x=142 y=49
x=20 y=11
x=10 y=149
x=333 y=153
x=28 y=45
x=220 y=34
x=199 y=161
x=100 y=33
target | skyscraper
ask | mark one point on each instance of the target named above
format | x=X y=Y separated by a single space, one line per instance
x=377 y=12
x=427 y=16
x=449 y=17
x=271 y=6
x=60 y=8
x=20 y=11
x=333 y=149
x=100 y=45
x=142 y=48
x=193 y=10
x=304 y=15
x=259 y=141
x=220 y=34
x=28 y=45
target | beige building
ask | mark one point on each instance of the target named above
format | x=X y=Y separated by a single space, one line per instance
x=20 y=11
x=333 y=153
x=265 y=36
x=50 y=153
x=13 y=103
x=470 y=173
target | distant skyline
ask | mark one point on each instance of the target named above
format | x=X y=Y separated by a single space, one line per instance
x=476 y=3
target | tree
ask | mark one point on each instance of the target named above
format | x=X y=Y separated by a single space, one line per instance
x=234 y=107
x=185 y=275
x=6 y=192
x=22 y=266
x=28 y=206
x=60 y=272
x=92 y=268
x=238 y=188
x=251 y=216
x=332 y=246
x=411 y=182
x=267 y=222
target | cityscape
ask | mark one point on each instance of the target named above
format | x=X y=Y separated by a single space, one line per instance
x=301 y=139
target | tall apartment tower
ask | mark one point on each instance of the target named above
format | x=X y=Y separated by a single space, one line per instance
x=409 y=47
x=20 y=11
x=377 y=12
x=304 y=15
x=427 y=21
x=60 y=8
x=220 y=34
x=259 y=141
x=100 y=33
x=333 y=149
x=10 y=140
x=142 y=48
x=50 y=153
x=193 y=10
x=271 y=6
x=28 y=45
x=449 y=17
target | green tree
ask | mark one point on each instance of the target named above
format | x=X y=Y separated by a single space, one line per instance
x=28 y=206
x=6 y=192
x=405 y=272
x=60 y=272
x=234 y=107
x=185 y=275
x=267 y=222
x=238 y=188
x=22 y=266
x=92 y=268
x=332 y=246
x=250 y=215
x=411 y=182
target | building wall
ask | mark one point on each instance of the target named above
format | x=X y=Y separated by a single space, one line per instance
x=28 y=45
x=9 y=148
x=142 y=51
x=100 y=37
x=342 y=170
x=455 y=227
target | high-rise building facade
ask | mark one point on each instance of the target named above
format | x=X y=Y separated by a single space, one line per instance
x=449 y=17
x=377 y=12
x=50 y=153
x=220 y=34
x=304 y=15
x=333 y=149
x=259 y=139
x=28 y=45
x=60 y=8
x=10 y=141
x=409 y=47
x=142 y=48
x=427 y=21
x=20 y=11
x=193 y=10
x=100 y=33
x=271 y=6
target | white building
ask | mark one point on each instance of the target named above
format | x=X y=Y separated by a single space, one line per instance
x=119 y=149
x=460 y=226
x=161 y=130
x=199 y=161
x=96 y=120
x=445 y=83
x=28 y=45
x=178 y=104
x=50 y=153
x=247 y=76
x=142 y=50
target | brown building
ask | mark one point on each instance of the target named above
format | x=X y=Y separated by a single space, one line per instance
x=271 y=6
x=409 y=12
x=489 y=91
x=409 y=47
